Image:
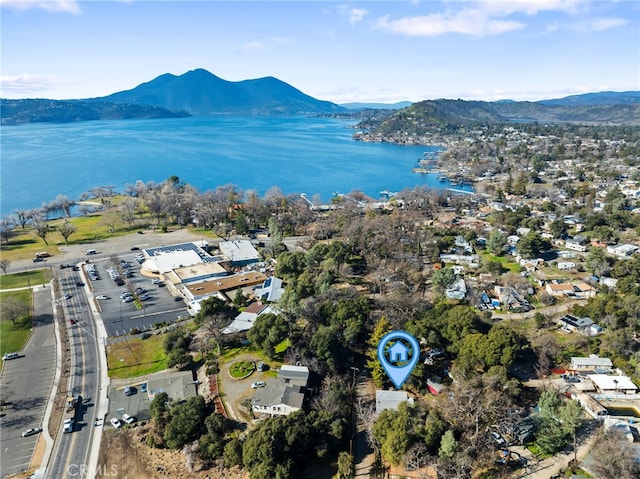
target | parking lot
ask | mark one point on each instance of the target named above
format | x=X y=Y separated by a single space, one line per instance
x=111 y=277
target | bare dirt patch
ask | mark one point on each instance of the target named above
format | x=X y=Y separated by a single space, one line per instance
x=124 y=454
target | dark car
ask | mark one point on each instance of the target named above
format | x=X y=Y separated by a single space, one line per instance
x=130 y=391
x=134 y=248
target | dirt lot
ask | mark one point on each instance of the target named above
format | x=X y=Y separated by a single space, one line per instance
x=124 y=454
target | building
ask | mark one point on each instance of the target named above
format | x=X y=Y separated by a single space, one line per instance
x=270 y=291
x=591 y=364
x=607 y=384
x=622 y=250
x=283 y=395
x=240 y=252
x=179 y=385
x=575 y=324
x=577 y=243
x=391 y=399
x=277 y=399
x=223 y=286
x=559 y=289
x=244 y=321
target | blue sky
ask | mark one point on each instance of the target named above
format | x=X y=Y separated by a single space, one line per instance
x=332 y=50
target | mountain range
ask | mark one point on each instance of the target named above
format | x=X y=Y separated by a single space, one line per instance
x=201 y=93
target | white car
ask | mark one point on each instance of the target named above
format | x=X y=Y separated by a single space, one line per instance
x=102 y=296
x=258 y=384
x=128 y=419
x=115 y=422
x=9 y=356
x=31 y=432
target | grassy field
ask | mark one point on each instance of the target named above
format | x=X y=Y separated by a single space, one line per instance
x=131 y=358
x=25 y=279
x=14 y=336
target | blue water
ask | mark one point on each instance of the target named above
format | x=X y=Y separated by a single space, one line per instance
x=316 y=156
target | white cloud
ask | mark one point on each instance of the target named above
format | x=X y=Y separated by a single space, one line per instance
x=467 y=22
x=356 y=15
x=528 y=7
x=601 y=24
x=249 y=48
x=26 y=84
x=66 y=6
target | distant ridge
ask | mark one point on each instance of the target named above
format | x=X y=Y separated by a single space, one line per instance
x=200 y=93
x=377 y=106
x=598 y=98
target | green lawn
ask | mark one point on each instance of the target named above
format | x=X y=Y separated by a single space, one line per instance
x=25 y=278
x=131 y=358
x=14 y=336
x=504 y=260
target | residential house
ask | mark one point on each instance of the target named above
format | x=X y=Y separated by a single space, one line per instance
x=566 y=265
x=559 y=289
x=577 y=243
x=591 y=364
x=622 y=250
x=284 y=394
x=244 y=321
x=458 y=290
x=575 y=324
x=391 y=400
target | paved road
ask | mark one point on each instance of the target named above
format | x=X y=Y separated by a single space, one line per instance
x=233 y=391
x=72 y=451
x=26 y=383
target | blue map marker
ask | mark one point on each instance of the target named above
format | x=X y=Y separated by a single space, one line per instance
x=398 y=352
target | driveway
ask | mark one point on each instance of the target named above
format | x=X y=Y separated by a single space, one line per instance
x=234 y=391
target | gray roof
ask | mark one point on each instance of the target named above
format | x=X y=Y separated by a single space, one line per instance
x=278 y=392
x=294 y=374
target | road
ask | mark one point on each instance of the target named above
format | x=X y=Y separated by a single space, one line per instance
x=71 y=452
x=26 y=384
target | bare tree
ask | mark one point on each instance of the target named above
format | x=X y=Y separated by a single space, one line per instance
x=613 y=457
x=4 y=265
x=129 y=206
x=6 y=229
x=41 y=226
x=66 y=230
x=13 y=309
x=23 y=217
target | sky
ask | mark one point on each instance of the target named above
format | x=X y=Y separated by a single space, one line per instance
x=357 y=51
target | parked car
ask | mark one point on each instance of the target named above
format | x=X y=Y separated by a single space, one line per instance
x=115 y=422
x=67 y=296
x=135 y=248
x=128 y=419
x=31 y=432
x=258 y=384
x=497 y=438
x=155 y=281
x=130 y=391
x=102 y=296
x=9 y=356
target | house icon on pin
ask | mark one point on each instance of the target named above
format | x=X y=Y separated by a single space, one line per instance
x=398 y=352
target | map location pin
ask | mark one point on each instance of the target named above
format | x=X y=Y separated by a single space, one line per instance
x=398 y=352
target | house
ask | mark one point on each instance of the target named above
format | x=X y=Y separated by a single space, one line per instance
x=577 y=243
x=574 y=324
x=566 y=265
x=606 y=384
x=391 y=400
x=220 y=287
x=277 y=399
x=559 y=289
x=458 y=290
x=244 y=321
x=584 y=290
x=591 y=364
x=622 y=250
x=434 y=387
x=271 y=290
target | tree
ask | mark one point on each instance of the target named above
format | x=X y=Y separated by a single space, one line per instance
x=496 y=242
x=346 y=468
x=448 y=446
x=613 y=457
x=571 y=415
x=185 y=422
x=597 y=262
x=13 y=309
x=66 y=230
x=383 y=326
x=267 y=332
x=532 y=244
x=443 y=278
x=41 y=227
x=232 y=454
x=4 y=265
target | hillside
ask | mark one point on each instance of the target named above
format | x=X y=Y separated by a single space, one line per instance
x=448 y=116
x=200 y=92
x=16 y=112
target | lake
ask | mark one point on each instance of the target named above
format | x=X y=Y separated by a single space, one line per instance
x=316 y=156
